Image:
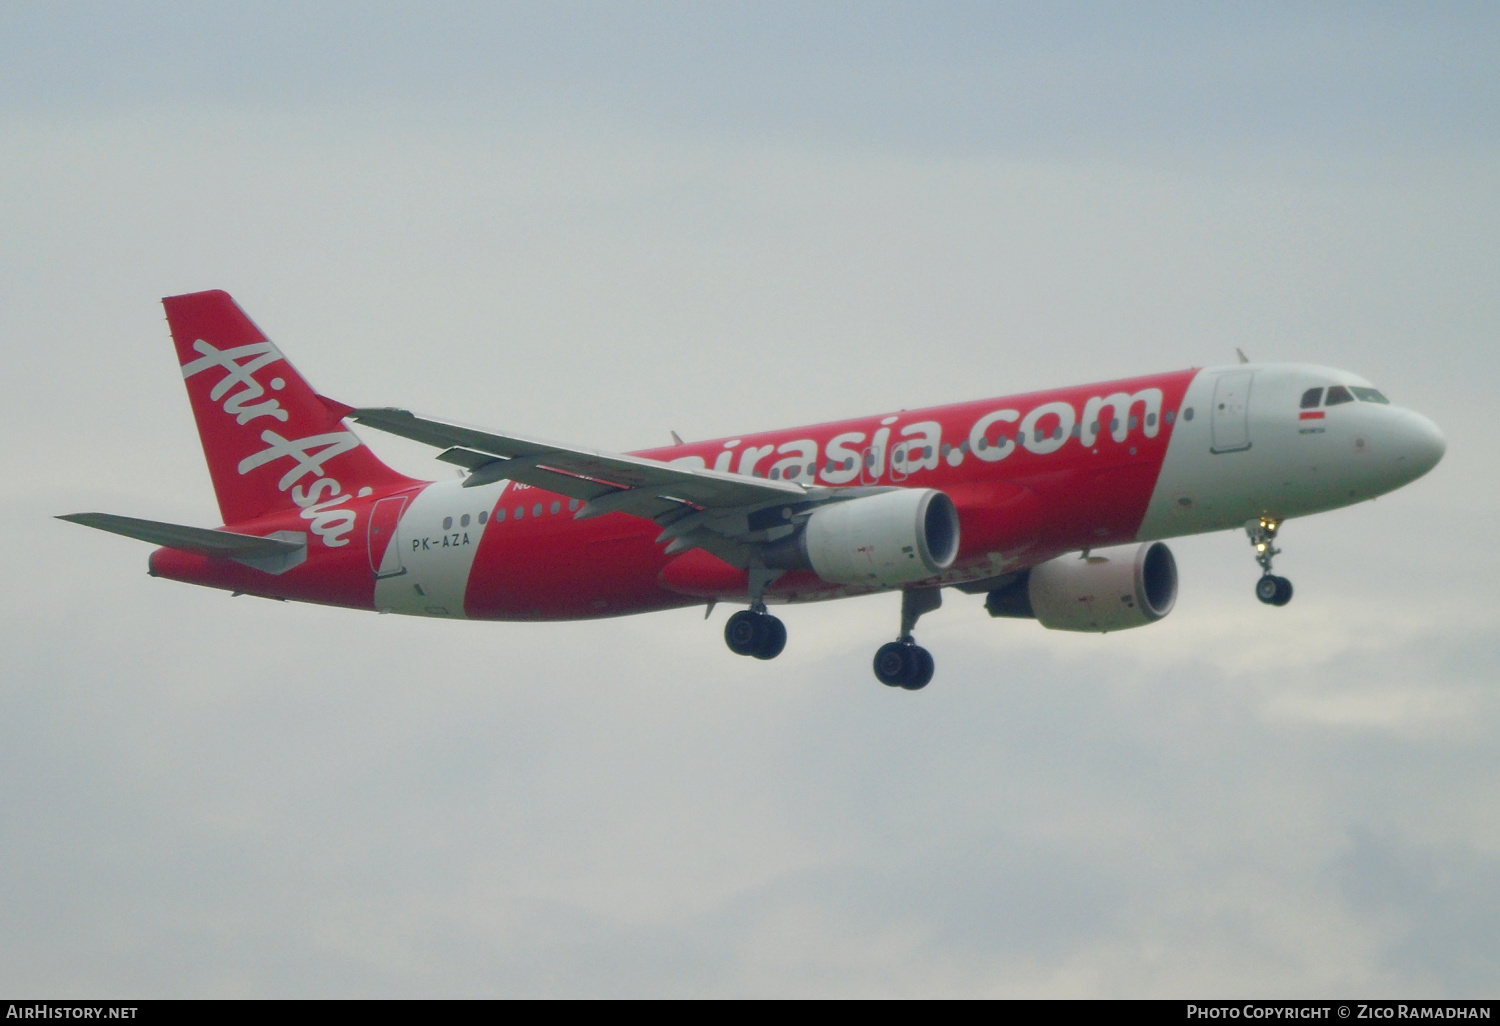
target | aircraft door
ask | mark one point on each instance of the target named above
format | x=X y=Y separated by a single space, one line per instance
x=898 y=461
x=385 y=554
x=1231 y=412
x=872 y=458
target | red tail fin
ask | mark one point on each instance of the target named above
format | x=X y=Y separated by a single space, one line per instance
x=270 y=441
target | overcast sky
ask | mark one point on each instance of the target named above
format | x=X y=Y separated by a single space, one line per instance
x=604 y=222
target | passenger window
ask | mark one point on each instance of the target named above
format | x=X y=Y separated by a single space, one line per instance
x=499 y=516
x=520 y=512
x=1170 y=416
x=1338 y=395
x=1370 y=395
x=556 y=507
x=572 y=504
x=1311 y=398
x=536 y=510
x=447 y=523
x=463 y=521
x=484 y=516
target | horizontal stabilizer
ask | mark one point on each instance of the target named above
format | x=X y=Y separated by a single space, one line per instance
x=274 y=555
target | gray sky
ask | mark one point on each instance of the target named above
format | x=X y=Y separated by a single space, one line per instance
x=604 y=222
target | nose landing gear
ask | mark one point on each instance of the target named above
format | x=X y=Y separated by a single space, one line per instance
x=903 y=663
x=1270 y=589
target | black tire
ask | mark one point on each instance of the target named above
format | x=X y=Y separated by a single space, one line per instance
x=892 y=664
x=1283 y=592
x=772 y=639
x=1267 y=588
x=743 y=633
x=920 y=670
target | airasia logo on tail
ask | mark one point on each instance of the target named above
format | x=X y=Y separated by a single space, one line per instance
x=259 y=355
x=319 y=498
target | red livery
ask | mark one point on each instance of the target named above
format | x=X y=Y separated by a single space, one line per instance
x=1053 y=503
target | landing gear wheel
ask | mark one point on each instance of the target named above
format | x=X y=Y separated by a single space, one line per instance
x=773 y=638
x=890 y=664
x=922 y=669
x=751 y=633
x=1273 y=591
x=742 y=632
x=901 y=664
x=1265 y=589
x=1284 y=592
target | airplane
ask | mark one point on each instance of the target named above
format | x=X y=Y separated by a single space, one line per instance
x=1054 y=504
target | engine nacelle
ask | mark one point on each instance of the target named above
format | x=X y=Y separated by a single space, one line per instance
x=896 y=537
x=1110 y=590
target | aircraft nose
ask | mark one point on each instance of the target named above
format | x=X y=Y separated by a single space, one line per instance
x=1419 y=444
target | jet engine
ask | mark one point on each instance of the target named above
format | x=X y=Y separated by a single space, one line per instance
x=895 y=537
x=1105 y=590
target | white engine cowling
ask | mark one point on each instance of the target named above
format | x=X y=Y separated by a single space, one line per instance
x=1111 y=590
x=895 y=537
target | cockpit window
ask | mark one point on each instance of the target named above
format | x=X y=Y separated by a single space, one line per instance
x=1369 y=395
x=1339 y=394
x=1311 y=398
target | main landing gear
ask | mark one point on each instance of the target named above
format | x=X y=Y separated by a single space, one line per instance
x=900 y=664
x=903 y=663
x=1270 y=589
x=755 y=632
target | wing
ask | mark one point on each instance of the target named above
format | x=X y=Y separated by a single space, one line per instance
x=721 y=512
